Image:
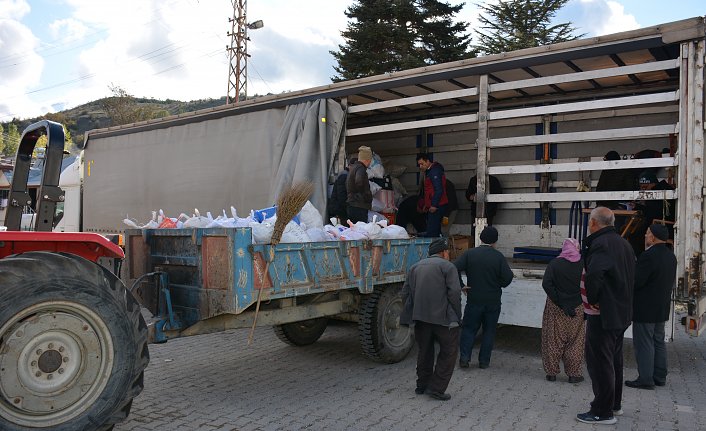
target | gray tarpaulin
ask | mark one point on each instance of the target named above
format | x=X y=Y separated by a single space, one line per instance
x=306 y=147
x=209 y=164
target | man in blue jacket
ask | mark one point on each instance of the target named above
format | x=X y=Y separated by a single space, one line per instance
x=435 y=201
x=654 y=278
x=487 y=272
x=432 y=304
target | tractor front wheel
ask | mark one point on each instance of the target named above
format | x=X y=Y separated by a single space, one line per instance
x=73 y=344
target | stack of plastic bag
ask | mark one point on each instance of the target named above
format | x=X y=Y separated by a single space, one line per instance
x=308 y=226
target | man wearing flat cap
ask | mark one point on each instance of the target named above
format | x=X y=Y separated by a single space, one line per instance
x=487 y=272
x=432 y=304
x=654 y=278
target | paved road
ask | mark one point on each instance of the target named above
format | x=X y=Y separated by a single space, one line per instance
x=217 y=382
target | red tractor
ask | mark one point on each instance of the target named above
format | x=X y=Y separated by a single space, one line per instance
x=73 y=343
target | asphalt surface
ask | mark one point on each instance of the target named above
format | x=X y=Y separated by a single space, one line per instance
x=217 y=382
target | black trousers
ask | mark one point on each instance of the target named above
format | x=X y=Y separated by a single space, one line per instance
x=604 y=360
x=356 y=214
x=650 y=352
x=435 y=379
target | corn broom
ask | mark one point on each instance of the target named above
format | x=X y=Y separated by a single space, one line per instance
x=289 y=203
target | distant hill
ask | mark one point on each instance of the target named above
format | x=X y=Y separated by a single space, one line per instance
x=91 y=115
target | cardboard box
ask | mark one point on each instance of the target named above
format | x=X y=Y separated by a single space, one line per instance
x=458 y=244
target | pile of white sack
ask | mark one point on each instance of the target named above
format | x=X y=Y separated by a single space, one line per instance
x=308 y=226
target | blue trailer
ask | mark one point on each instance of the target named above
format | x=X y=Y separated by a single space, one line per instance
x=197 y=281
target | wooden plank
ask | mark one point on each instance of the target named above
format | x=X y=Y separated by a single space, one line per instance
x=682 y=153
x=466 y=92
x=583 y=76
x=482 y=157
x=649 y=195
x=420 y=124
x=584 y=166
x=645 y=99
x=586 y=136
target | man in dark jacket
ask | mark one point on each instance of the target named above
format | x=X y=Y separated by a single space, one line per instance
x=336 y=206
x=610 y=276
x=360 y=198
x=432 y=303
x=491 y=208
x=487 y=272
x=436 y=200
x=615 y=180
x=654 y=278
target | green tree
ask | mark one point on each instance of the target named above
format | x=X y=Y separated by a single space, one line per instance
x=510 y=25
x=390 y=35
x=12 y=141
x=42 y=141
x=2 y=138
x=122 y=108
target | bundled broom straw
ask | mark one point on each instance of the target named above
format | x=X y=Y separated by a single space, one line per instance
x=289 y=203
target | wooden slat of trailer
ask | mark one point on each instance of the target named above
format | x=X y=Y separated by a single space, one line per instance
x=582 y=76
x=459 y=119
x=584 y=166
x=584 y=196
x=466 y=92
x=646 y=99
x=587 y=136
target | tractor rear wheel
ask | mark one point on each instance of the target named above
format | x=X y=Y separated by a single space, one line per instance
x=301 y=333
x=73 y=344
x=382 y=337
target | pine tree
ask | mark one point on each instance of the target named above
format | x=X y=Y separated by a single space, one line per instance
x=510 y=25
x=390 y=35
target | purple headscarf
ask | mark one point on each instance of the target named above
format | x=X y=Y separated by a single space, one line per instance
x=570 y=250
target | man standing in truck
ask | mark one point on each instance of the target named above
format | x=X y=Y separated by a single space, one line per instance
x=432 y=304
x=360 y=198
x=610 y=275
x=435 y=202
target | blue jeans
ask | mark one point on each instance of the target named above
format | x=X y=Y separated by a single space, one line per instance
x=475 y=315
x=434 y=221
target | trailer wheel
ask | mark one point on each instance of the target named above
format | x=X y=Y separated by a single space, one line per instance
x=301 y=333
x=382 y=337
x=73 y=344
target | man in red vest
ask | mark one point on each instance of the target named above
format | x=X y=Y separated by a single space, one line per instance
x=435 y=203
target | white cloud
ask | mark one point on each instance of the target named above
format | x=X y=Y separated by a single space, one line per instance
x=13 y=9
x=599 y=17
x=20 y=65
x=67 y=30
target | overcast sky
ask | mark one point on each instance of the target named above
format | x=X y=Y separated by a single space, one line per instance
x=57 y=54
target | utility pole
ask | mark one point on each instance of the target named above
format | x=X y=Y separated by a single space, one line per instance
x=238 y=51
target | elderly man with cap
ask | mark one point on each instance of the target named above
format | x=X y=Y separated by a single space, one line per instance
x=432 y=304
x=360 y=198
x=654 y=278
x=487 y=272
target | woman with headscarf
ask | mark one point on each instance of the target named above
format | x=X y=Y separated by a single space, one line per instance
x=563 y=331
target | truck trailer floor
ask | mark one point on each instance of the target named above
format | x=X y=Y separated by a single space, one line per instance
x=216 y=382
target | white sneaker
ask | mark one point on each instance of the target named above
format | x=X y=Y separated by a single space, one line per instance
x=618 y=412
